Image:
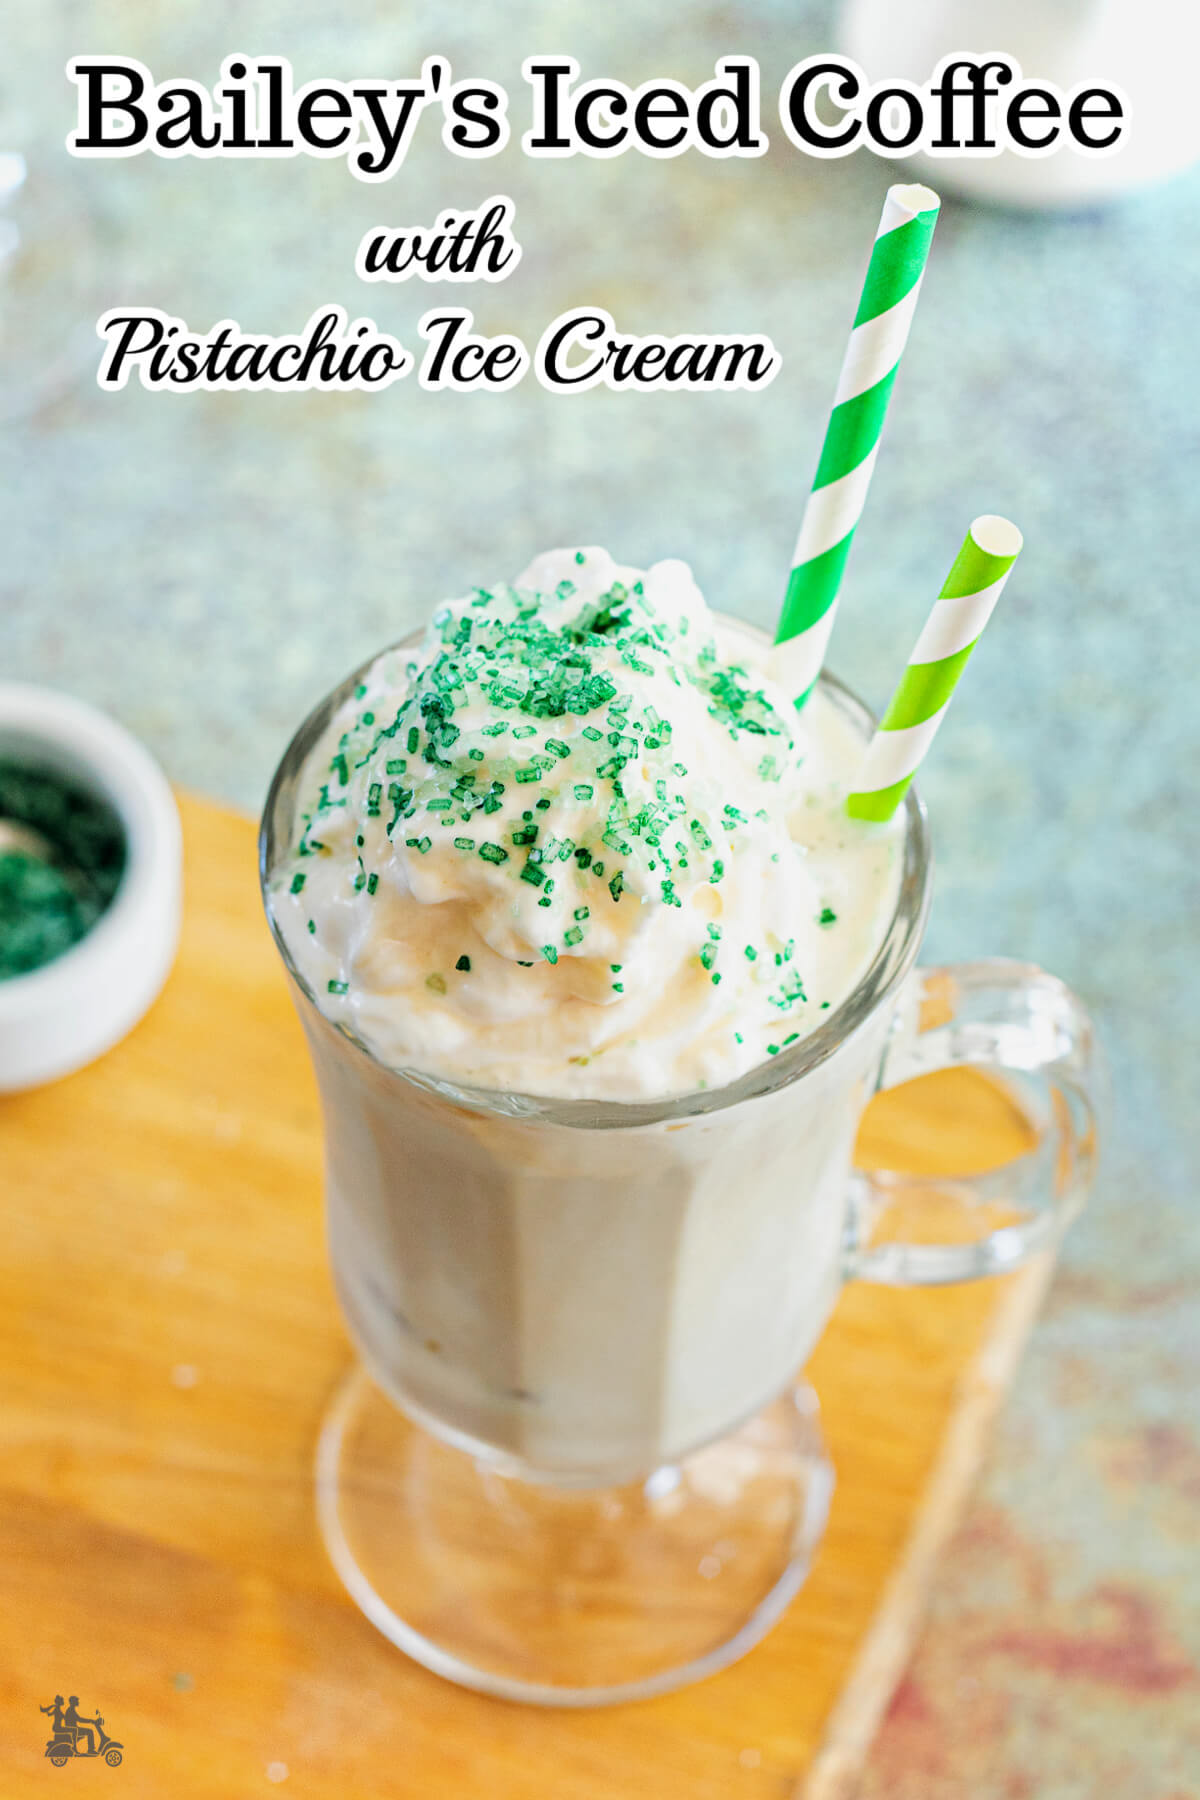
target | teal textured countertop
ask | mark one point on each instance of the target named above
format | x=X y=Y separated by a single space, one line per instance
x=206 y=565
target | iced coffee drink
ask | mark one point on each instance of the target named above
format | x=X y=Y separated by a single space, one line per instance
x=573 y=845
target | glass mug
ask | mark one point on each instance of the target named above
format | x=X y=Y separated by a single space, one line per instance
x=576 y=1466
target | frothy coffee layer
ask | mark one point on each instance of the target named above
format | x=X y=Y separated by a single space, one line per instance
x=576 y=843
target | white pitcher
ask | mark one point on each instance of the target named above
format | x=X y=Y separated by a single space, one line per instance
x=1147 y=48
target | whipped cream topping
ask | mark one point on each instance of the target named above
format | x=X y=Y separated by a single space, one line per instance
x=575 y=843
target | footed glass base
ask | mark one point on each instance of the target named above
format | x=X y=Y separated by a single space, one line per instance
x=569 y=1596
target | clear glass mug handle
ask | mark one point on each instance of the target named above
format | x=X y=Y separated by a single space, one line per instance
x=1029 y=1032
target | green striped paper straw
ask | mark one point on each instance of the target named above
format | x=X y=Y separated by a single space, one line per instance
x=919 y=704
x=839 y=490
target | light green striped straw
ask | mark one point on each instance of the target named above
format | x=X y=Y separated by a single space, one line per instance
x=839 y=490
x=919 y=704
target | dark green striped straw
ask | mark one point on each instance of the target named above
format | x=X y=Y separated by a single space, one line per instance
x=839 y=490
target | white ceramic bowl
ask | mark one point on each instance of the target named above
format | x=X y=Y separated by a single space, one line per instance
x=61 y=1016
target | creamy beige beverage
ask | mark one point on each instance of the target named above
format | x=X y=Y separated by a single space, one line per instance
x=574 y=844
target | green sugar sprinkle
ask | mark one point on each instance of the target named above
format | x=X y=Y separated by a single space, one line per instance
x=436 y=983
x=399 y=798
x=580 y=557
x=550 y=953
x=312 y=928
x=616 y=967
x=463 y=965
x=772 y=1049
x=574 y=936
x=581 y=912
x=553 y=660
x=338 y=987
x=360 y=690
x=618 y=987
x=372 y=883
x=751 y=953
x=826 y=916
x=297 y=883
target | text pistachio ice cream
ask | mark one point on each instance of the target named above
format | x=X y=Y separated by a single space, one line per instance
x=575 y=843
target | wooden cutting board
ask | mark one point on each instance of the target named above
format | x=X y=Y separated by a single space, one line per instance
x=169 y=1340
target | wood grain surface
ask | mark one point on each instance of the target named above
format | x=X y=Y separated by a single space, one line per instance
x=169 y=1339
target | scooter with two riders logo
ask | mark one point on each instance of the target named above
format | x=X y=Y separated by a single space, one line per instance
x=65 y=1744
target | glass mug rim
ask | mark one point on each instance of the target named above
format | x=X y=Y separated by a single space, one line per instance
x=892 y=962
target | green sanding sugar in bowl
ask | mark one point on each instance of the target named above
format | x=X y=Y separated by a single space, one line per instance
x=46 y=906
